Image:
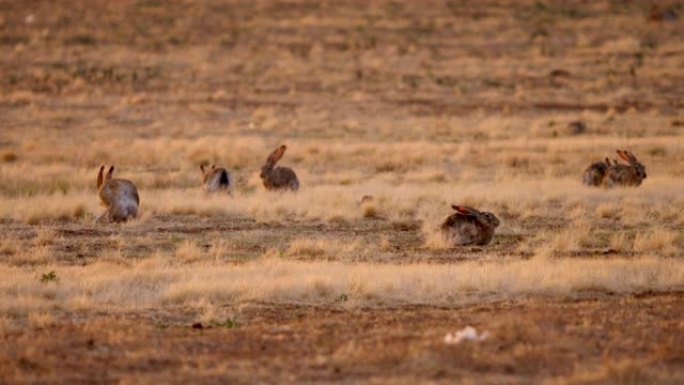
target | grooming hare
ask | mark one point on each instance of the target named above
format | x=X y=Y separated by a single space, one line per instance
x=631 y=174
x=216 y=179
x=118 y=196
x=277 y=178
x=469 y=226
x=594 y=174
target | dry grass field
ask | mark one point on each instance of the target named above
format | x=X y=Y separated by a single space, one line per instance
x=418 y=104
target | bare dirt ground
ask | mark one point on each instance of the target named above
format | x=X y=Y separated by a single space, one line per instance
x=419 y=104
x=608 y=340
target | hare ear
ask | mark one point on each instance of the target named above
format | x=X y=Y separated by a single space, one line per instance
x=110 y=172
x=202 y=168
x=100 y=177
x=631 y=156
x=276 y=154
x=465 y=210
x=623 y=155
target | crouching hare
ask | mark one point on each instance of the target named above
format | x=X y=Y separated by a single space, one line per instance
x=118 y=196
x=278 y=178
x=469 y=226
x=216 y=179
x=631 y=174
x=594 y=174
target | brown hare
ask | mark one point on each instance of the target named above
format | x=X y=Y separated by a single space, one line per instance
x=118 y=196
x=631 y=174
x=216 y=179
x=594 y=174
x=469 y=226
x=278 y=178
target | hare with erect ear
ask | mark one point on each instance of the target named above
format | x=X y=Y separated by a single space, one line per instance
x=469 y=226
x=118 y=196
x=631 y=174
x=216 y=179
x=278 y=178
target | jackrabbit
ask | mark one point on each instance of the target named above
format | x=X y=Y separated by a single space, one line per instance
x=594 y=174
x=118 y=196
x=469 y=226
x=276 y=178
x=631 y=174
x=216 y=179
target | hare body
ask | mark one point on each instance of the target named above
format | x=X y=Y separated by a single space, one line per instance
x=469 y=226
x=118 y=196
x=631 y=174
x=216 y=179
x=278 y=178
x=594 y=174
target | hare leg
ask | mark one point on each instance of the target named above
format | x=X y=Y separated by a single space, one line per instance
x=102 y=217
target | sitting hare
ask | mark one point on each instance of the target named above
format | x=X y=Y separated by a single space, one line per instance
x=594 y=174
x=631 y=174
x=216 y=179
x=118 y=196
x=469 y=226
x=276 y=178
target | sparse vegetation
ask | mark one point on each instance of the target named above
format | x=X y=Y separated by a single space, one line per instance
x=49 y=277
x=391 y=112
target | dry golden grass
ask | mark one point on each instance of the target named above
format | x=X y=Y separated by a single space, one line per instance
x=417 y=106
x=169 y=280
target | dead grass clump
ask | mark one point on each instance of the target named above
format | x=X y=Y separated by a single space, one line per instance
x=331 y=249
x=114 y=256
x=9 y=157
x=9 y=246
x=568 y=241
x=624 y=372
x=39 y=255
x=620 y=242
x=305 y=247
x=403 y=225
x=41 y=320
x=434 y=237
x=8 y=325
x=189 y=252
x=659 y=240
x=385 y=244
x=79 y=211
x=44 y=236
x=369 y=210
x=608 y=210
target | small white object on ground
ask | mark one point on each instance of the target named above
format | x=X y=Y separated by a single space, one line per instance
x=468 y=333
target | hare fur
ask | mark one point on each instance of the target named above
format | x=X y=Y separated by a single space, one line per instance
x=216 y=179
x=469 y=226
x=278 y=178
x=118 y=196
x=631 y=174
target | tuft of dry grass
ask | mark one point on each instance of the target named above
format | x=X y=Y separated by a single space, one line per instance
x=608 y=210
x=189 y=252
x=9 y=157
x=659 y=240
x=330 y=248
x=620 y=242
x=41 y=320
x=44 y=236
x=572 y=239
